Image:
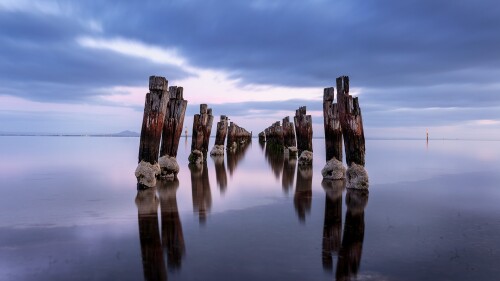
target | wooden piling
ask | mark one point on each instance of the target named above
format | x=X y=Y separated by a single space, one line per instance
x=288 y=133
x=303 y=130
x=174 y=122
x=333 y=131
x=351 y=123
x=262 y=137
x=154 y=117
x=274 y=138
x=202 y=127
x=237 y=137
x=220 y=137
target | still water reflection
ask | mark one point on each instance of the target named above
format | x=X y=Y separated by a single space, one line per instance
x=433 y=214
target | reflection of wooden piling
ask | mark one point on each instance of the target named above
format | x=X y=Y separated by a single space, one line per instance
x=237 y=136
x=149 y=235
x=220 y=136
x=220 y=172
x=288 y=133
x=303 y=130
x=153 y=119
x=351 y=123
x=333 y=131
x=288 y=174
x=171 y=226
x=274 y=159
x=332 y=227
x=236 y=156
x=174 y=122
x=202 y=127
x=202 y=196
x=303 y=191
x=354 y=233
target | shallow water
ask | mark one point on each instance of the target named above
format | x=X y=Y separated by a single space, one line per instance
x=69 y=210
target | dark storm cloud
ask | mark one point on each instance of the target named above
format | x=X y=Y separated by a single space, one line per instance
x=381 y=43
x=416 y=54
x=41 y=60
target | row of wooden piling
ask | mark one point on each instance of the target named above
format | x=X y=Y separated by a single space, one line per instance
x=163 y=120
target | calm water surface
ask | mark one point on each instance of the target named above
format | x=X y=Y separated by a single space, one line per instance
x=69 y=210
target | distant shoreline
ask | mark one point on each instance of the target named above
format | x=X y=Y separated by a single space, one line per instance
x=254 y=137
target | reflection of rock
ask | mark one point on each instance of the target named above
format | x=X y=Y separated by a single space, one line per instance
x=306 y=158
x=217 y=150
x=332 y=227
x=220 y=172
x=303 y=191
x=171 y=226
x=200 y=185
x=354 y=232
x=196 y=157
x=333 y=170
x=149 y=235
x=288 y=173
x=169 y=167
x=357 y=177
x=146 y=173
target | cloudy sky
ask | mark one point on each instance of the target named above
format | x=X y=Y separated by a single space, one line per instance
x=83 y=67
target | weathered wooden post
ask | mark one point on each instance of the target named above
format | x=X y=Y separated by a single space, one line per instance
x=237 y=137
x=333 y=131
x=202 y=127
x=220 y=136
x=289 y=141
x=304 y=131
x=274 y=138
x=171 y=226
x=353 y=134
x=152 y=125
x=262 y=137
x=334 y=169
x=172 y=131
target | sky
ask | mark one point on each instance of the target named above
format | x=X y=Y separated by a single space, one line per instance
x=83 y=66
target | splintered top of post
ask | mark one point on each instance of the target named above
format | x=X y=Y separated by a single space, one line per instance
x=203 y=108
x=158 y=83
x=300 y=111
x=343 y=85
x=286 y=120
x=209 y=111
x=328 y=94
x=180 y=93
x=223 y=117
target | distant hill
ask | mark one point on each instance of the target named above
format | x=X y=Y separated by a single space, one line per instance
x=126 y=133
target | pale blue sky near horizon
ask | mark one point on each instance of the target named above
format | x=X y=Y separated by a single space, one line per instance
x=83 y=66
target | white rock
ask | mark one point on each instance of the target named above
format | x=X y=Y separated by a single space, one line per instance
x=292 y=151
x=169 y=167
x=196 y=157
x=146 y=173
x=306 y=158
x=333 y=170
x=217 y=150
x=357 y=177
